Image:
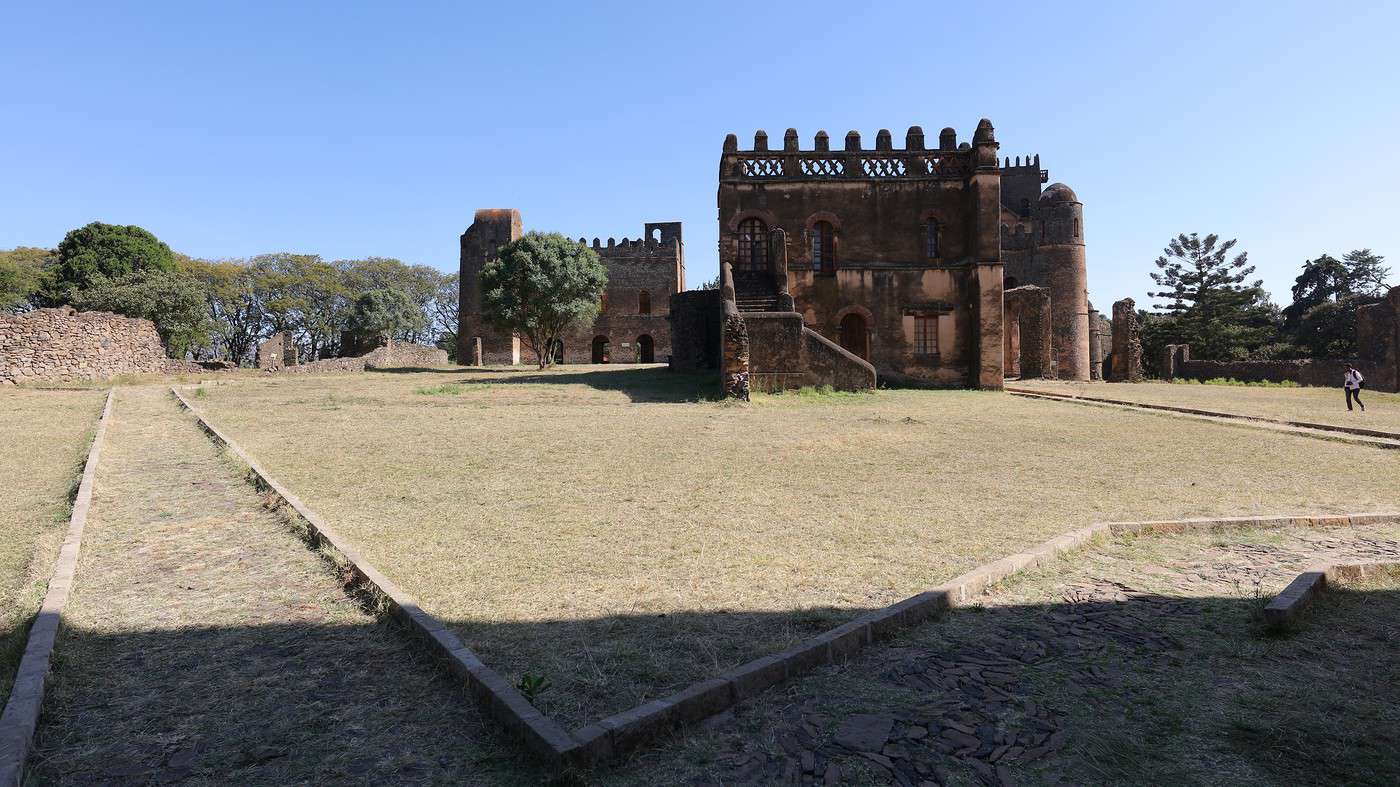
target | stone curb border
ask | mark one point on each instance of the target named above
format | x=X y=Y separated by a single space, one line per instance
x=541 y=734
x=1350 y=430
x=1285 y=608
x=628 y=730
x=21 y=716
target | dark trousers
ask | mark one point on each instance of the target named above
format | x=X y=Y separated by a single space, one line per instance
x=1354 y=393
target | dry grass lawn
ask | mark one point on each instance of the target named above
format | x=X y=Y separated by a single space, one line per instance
x=44 y=437
x=1313 y=405
x=603 y=528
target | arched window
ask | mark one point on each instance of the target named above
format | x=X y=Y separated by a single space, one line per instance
x=931 y=239
x=644 y=302
x=1025 y=207
x=600 y=349
x=753 y=246
x=823 y=247
x=1076 y=228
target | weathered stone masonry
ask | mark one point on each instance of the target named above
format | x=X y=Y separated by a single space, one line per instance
x=643 y=274
x=65 y=345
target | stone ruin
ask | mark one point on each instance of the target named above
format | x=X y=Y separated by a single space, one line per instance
x=1125 y=361
x=66 y=345
x=277 y=351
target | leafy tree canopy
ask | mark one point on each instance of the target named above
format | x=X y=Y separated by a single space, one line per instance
x=540 y=287
x=23 y=273
x=386 y=312
x=1212 y=305
x=172 y=300
x=107 y=250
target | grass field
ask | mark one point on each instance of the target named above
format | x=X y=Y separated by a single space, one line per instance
x=1314 y=405
x=44 y=437
x=602 y=528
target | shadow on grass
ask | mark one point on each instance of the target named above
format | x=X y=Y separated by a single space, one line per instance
x=1147 y=689
x=638 y=383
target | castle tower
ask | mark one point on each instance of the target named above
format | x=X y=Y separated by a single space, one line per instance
x=1060 y=250
x=491 y=229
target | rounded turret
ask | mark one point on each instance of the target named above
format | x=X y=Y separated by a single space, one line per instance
x=1060 y=247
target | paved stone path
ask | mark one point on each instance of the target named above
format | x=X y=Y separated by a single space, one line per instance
x=999 y=695
x=205 y=643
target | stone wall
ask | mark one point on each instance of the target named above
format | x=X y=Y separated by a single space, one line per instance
x=1327 y=372
x=277 y=351
x=401 y=356
x=65 y=345
x=1378 y=337
x=1029 y=353
x=1125 y=361
x=696 y=319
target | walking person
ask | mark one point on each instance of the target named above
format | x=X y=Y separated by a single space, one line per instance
x=1353 y=382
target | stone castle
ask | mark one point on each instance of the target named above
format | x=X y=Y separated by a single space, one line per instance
x=632 y=326
x=932 y=265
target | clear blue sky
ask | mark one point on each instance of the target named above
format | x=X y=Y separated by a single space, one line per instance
x=356 y=129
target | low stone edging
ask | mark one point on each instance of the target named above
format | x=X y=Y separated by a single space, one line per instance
x=1285 y=608
x=620 y=733
x=21 y=715
x=541 y=733
x=1350 y=430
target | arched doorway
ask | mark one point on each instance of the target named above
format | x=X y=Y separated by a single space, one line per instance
x=855 y=337
x=600 y=349
x=646 y=349
x=556 y=351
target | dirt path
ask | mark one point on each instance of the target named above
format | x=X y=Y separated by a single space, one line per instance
x=205 y=643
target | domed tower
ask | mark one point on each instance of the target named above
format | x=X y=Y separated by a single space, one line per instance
x=1060 y=248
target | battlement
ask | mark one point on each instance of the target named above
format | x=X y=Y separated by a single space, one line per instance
x=662 y=241
x=915 y=161
x=1031 y=167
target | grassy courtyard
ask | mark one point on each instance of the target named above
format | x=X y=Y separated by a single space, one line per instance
x=45 y=436
x=612 y=531
x=1313 y=405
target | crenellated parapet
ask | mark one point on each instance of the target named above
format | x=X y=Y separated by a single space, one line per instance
x=915 y=161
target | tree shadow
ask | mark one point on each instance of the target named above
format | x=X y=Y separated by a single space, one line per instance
x=1121 y=688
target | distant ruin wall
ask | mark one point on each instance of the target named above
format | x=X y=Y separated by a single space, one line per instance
x=66 y=345
x=277 y=351
x=1125 y=360
x=1378 y=338
x=400 y=356
x=696 y=318
x=1177 y=363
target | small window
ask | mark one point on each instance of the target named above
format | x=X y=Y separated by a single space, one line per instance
x=1076 y=228
x=1025 y=207
x=931 y=239
x=644 y=302
x=753 y=246
x=823 y=248
x=925 y=335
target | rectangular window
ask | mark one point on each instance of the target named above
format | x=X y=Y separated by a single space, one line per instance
x=925 y=335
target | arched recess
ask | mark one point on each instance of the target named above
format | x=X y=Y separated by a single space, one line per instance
x=600 y=349
x=646 y=349
x=644 y=302
x=855 y=334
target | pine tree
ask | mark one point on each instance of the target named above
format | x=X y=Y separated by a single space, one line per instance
x=1212 y=304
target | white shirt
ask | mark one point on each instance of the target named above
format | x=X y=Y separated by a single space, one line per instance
x=1353 y=380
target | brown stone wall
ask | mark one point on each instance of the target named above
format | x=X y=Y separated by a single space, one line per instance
x=878 y=202
x=277 y=351
x=653 y=264
x=1127 y=344
x=1030 y=355
x=1378 y=341
x=64 y=345
x=1326 y=372
x=696 y=319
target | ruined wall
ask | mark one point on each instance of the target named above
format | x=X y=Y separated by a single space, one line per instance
x=1327 y=372
x=642 y=275
x=696 y=319
x=64 y=345
x=1029 y=353
x=402 y=355
x=1378 y=339
x=277 y=351
x=1126 y=358
x=828 y=364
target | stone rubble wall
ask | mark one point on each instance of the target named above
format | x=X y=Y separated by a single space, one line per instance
x=401 y=355
x=65 y=345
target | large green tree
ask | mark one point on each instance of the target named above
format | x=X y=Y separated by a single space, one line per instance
x=1211 y=303
x=385 y=313
x=540 y=287
x=235 y=312
x=102 y=250
x=174 y=301
x=1321 y=321
x=23 y=273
